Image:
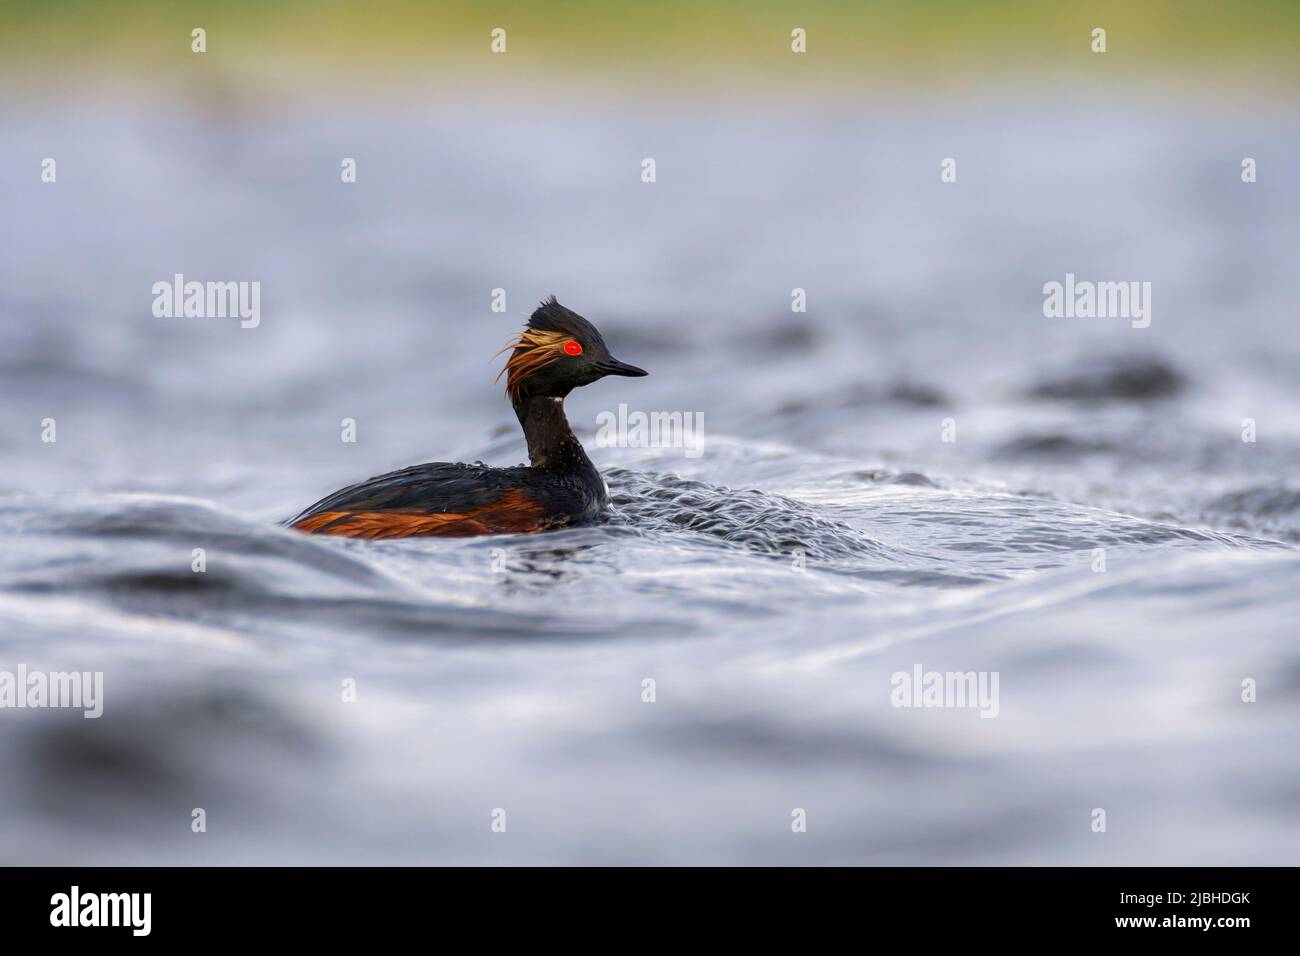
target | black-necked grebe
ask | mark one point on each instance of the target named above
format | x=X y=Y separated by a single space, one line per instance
x=558 y=351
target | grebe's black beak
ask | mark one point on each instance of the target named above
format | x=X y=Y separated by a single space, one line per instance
x=613 y=366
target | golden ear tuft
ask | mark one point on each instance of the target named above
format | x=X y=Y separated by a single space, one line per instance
x=534 y=349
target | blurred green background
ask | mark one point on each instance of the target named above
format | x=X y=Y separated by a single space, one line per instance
x=670 y=43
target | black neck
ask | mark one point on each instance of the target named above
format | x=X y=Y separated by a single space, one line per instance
x=551 y=442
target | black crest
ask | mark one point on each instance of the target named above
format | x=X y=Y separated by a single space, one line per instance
x=550 y=316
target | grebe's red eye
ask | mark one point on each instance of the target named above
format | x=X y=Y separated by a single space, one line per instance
x=572 y=348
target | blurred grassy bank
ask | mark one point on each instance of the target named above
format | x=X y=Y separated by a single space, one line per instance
x=671 y=42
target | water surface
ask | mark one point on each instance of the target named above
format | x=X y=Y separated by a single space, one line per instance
x=826 y=538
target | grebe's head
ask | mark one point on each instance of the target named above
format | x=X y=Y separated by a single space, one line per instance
x=557 y=352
